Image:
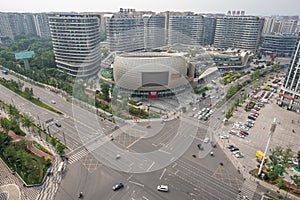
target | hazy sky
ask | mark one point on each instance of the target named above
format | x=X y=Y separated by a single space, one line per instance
x=255 y=7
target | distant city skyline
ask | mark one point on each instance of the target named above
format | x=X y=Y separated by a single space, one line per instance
x=253 y=7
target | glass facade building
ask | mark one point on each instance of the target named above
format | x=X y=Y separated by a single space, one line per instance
x=290 y=92
x=76 y=43
x=281 y=44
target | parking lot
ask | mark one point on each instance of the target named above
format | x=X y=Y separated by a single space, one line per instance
x=286 y=133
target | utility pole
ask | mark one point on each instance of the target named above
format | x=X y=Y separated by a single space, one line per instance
x=272 y=130
x=64 y=138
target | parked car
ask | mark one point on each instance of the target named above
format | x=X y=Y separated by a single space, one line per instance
x=295 y=161
x=251 y=117
x=234 y=149
x=240 y=135
x=224 y=137
x=233 y=132
x=256 y=108
x=245 y=132
x=239 y=155
x=117 y=186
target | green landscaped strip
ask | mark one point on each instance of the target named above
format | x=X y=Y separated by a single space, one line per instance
x=297 y=169
x=37 y=102
x=40 y=147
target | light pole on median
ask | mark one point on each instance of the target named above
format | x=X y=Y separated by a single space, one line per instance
x=272 y=130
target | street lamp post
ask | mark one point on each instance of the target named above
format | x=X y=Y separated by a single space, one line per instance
x=272 y=130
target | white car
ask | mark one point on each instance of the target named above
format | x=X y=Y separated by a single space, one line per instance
x=295 y=161
x=53 y=102
x=224 y=137
x=194 y=109
x=163 y=188
x=206 y=140
x=239 y=155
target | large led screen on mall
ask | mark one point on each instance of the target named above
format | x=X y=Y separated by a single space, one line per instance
x=155 y=78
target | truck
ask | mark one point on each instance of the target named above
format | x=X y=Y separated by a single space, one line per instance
x=259 y=156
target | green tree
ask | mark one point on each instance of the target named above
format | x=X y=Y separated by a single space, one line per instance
x=298 y=158
x=281 y=184
x=5 y=123
x=286 y=157
x=4 y=140
x=60 y=149
x=27 y=121
x=273 y=174
x=105 y=88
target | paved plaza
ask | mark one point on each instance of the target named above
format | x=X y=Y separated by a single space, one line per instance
x=287 y=132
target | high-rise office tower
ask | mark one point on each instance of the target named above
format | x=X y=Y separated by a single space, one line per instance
x=24 y=24
x=186 y=29
x=290 y=91
x=124 y=32
x=41 y=23
x=241 y=32
x=76 y=42
x=268 y=25
x=154 y=31
x=288 y=26
x=209 y=30
x=280 y=43
x=5 y=29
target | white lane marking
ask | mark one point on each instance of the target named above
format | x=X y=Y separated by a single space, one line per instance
x=129 y=177
x=150 y=166
x=139 y=184
x=162 y=174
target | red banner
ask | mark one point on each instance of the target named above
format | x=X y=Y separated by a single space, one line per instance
x=286 y=96
x=152 y=94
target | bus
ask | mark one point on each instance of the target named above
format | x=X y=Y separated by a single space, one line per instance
x=60 y=167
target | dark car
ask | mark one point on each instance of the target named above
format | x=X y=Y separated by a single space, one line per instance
x=117 y=186
x=230 y=146
x=57 y=124
x=200 y=147
x=242 y=133
x=234 y=149
x=251 y=117
x=246 y=133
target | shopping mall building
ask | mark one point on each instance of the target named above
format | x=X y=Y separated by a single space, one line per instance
x=151 y=74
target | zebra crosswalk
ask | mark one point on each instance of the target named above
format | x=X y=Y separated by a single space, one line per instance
x=51 y=185
x=93 y=145
x=248 y=189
